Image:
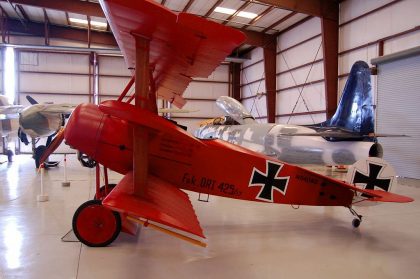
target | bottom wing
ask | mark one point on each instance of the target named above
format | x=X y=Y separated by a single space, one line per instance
x=163 y=204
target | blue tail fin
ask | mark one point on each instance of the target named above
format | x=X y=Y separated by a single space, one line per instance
x=355 y=112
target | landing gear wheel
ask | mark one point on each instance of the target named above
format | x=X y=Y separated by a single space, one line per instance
x=9 y=154
x=95 y=225
x=85 y=160
x=356 y=223
x=102 y=193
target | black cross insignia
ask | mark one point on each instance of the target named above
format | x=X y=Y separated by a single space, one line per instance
x=269 y=181
x=372 y=179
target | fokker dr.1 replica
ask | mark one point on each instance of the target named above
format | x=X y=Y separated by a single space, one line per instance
x=156 y=157
x=342 y=140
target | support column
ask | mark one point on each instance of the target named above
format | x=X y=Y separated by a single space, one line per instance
x=330 y=48
x=140 y=134
x=235 y=71
x=270 y=79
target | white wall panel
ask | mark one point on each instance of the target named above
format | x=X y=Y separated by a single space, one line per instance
x=355 y=8
x=253 y=89
x=301 y=76
x=299 y=55
x=397 y=18
x=402 y=43
x=313 y=95
x=300 y=33
x=54 y=62
x=302 y=119
x=113 y=65
x=206 y=90
x=53 y=83
x=112 y=85
x=256 y=55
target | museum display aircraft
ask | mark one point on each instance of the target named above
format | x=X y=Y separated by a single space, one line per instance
x=158 y=158
x=342 y=140
x=36 y=121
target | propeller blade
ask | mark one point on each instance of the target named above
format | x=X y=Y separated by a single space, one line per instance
x=53 y=146
x=31 y=100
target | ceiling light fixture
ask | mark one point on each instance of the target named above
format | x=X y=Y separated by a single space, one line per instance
x=232 y=11
x=85 y=22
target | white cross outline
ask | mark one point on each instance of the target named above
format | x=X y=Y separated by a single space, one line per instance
x=250 y=184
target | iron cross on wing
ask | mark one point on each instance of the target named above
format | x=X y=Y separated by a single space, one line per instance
x=269 y=181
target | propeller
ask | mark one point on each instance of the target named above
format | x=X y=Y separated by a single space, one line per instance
x=31 y=100
x=53 y=146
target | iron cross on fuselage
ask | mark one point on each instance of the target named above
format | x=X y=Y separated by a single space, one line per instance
x=269 y=181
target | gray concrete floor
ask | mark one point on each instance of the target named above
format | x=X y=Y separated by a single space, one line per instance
x=245 y=240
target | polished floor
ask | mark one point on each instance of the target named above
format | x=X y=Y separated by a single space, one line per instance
x=245 y=240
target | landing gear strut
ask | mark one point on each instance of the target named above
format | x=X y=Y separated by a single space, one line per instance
x=356 y=221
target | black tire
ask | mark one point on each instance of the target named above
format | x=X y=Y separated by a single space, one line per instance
x=9 y=154
x=99 y=231
x=356 y=223
x=102 y=191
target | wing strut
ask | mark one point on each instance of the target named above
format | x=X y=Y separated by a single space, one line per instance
x=141 y=99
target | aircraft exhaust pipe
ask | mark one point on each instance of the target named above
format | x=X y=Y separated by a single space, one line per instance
x=376 y=150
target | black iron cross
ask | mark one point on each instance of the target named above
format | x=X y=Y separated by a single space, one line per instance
x=269 y=181
x=371 y=180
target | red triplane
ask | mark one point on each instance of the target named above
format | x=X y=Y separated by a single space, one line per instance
x=157 y=157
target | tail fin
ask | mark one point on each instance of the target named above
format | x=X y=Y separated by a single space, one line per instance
x=355 y=110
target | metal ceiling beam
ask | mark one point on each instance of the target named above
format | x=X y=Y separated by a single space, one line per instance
x=185 y=9
x=330 y=48
x=279 y=21
x=255 y=19
x=270 y=54
x=246 y=4
x=61 y=32
x=258 y=39
x=209 y=12
x=72 y=6
x=319 y=8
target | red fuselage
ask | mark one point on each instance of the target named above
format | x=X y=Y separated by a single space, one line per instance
x=205 y=166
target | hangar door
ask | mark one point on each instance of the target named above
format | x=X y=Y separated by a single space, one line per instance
x=398 y=110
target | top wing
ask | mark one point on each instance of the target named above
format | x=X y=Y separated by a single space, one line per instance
x=58 y=108
x=182 y=45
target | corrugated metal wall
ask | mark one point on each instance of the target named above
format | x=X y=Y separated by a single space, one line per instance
x=398 y=112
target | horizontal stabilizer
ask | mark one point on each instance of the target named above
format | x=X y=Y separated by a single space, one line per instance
x=163 y=204
x=383 y=196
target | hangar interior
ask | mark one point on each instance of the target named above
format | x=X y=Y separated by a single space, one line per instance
x=64 y=52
